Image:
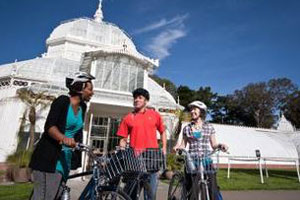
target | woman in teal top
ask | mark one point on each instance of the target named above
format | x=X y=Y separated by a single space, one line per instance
x=53 y=157
x=74 y=124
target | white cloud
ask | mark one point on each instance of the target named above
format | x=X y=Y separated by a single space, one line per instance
x=169 y=32
x=161 y=44
x=176 y=21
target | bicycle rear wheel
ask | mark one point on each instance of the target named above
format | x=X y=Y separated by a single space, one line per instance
x=176 y=189
x=113 y=195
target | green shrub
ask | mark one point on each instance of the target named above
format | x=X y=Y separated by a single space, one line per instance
x=174 y=162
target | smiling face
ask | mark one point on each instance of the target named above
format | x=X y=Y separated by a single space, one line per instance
x=87 y=92
x=139 y=102
x=195 y=113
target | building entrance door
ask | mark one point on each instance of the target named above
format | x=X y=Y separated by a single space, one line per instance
x=103 y=133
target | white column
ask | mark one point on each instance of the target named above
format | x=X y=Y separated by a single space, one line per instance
x=145 y=79
x=228 y=168
x=93 y=67
x=260 y=171
x=297 y=168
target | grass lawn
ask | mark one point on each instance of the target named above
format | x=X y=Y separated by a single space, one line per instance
x=15 y=192
x=249 y=179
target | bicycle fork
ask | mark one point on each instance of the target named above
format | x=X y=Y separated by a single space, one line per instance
x=202 y=188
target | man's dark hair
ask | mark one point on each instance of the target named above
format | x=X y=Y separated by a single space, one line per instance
x=142 y=92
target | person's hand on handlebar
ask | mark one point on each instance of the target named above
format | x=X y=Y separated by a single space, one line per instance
x=177 y=148
x=123 y=143
x=223 y=147
x=70 y=142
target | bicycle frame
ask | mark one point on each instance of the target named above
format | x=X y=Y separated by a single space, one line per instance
x=197 y=173
x=93 y=188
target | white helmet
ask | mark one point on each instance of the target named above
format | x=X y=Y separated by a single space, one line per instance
x=76 y=82
x=199 y=105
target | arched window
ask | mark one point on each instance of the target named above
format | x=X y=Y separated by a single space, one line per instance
x=119 y=73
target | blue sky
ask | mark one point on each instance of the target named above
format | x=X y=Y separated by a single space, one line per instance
x=225 y=44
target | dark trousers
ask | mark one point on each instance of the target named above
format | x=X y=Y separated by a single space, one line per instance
x=46 y=185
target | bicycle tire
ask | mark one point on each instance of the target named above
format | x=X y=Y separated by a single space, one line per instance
x=176 y=189
x=113 y=195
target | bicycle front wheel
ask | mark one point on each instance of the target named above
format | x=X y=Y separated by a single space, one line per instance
x=176 y=187
x=113 y=195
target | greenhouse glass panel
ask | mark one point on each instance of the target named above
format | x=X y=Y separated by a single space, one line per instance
x=107 y=76
x=125 y=76
x=99 y=74
x=116 y=76
x=132 y=78
x=140 y=78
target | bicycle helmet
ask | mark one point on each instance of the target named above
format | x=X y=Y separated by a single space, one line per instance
x=199 y=105
x=76 y=82
x=141 y=91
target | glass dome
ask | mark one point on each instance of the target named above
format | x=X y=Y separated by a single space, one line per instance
x=89 y=31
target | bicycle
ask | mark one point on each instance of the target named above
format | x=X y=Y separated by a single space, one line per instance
x=139 y=165
x=201 y=172
x=101 y=186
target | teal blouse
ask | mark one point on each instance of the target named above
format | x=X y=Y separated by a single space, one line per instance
x=73 y=125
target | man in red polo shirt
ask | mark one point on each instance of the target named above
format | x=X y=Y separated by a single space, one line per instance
x=141 y=126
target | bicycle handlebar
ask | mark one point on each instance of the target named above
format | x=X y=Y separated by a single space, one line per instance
x=181 y=151
x=86 y=148
x=82 y=147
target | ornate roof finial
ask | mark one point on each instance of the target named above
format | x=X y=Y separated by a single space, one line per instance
x=98 y=17
x=284 y=124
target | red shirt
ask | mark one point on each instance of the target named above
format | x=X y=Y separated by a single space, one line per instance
x=142 y=128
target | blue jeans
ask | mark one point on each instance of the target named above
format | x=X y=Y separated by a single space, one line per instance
x=153 y=182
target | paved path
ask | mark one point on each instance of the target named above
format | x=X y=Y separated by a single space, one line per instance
x=77 y=186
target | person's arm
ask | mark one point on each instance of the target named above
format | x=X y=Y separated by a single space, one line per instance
x=56 y=110
x=123 y=142
x=164 y=142
x=61 y=138
x=215 y=145
x=182 y=145
x=183 y=142
x=162 y=130
x=123 y=133
x=213 y=141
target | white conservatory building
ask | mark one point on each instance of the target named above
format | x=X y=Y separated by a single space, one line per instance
x=96 y=46
x=107 y=52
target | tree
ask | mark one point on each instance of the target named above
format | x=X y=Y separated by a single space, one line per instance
x=257 y=103
x=254 y=105
x=167 y=84
x=206 y=95
x=220 y=111
x=33 y=102
x=186 y=95
x=291 y=109
x=280 y=90
x=250 y=106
